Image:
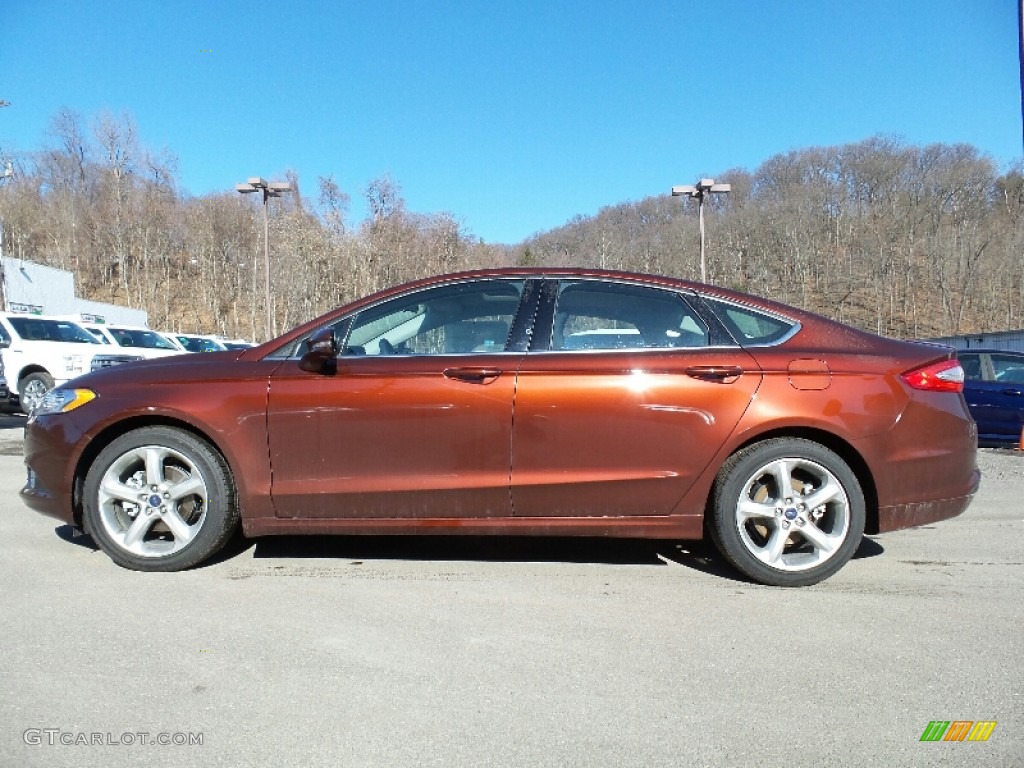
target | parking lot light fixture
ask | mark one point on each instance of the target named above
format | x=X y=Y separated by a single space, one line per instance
x=269 y=190
x=699 y=191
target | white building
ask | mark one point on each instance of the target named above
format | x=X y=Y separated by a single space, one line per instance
x=31 y=288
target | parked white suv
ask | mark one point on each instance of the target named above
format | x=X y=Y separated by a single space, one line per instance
x=128 y=343
x=41 y=352
x=194 y=342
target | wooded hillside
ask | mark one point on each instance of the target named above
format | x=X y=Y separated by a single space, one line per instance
x=901 y=240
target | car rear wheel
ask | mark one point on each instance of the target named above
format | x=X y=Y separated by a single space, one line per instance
x=787 y=512
x=33 y=389
x=159 y=499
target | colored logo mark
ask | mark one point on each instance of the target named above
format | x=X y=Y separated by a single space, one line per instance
x=958 y=730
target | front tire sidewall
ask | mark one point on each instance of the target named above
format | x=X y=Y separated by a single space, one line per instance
x=221 y=519
x=730 y=485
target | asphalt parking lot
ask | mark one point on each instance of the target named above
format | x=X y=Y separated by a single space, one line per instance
x=477 y=652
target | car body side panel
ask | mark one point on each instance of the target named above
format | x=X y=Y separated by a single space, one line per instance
x=919 y=447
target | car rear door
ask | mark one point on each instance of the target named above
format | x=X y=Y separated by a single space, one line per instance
x=622 y=401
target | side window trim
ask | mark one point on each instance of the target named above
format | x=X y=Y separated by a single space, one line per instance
x=524 y=321
x=543 y=325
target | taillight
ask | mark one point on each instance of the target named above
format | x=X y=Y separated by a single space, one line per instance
x=944 y=376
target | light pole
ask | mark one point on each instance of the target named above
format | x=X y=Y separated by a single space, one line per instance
x=269 y=190
x=7 y=173
x=700 y=190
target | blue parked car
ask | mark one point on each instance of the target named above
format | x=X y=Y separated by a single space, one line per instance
x=994 y=390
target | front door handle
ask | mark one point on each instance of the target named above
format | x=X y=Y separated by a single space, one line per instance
x=473 y=375
x=721 y=374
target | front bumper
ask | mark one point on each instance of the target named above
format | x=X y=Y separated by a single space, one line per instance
x=50 y=461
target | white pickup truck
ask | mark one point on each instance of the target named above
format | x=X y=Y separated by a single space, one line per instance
x=126 y=343
x=41 y=352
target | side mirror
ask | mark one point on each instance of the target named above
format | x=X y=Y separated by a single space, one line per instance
x=321 y=352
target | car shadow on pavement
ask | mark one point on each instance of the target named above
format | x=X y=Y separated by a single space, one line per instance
x=236 y=545
x=868 y=548
x=697 y=555
x=76 y=536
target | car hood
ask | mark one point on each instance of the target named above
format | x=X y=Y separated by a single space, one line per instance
x=179 y=367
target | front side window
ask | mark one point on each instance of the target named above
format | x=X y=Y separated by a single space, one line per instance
x=1008 y=369
x=465 y=318
x=593 y=315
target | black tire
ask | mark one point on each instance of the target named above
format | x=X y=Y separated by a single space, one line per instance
x=793 y=543
x=32 y=389
x=160 y=499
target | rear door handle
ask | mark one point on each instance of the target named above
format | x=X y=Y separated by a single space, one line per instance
x=722 y=374
x=473 y=375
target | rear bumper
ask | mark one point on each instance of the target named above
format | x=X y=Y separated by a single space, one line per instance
x=910 y=515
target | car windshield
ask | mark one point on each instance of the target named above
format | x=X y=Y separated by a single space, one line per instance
x=199 y=344
x=41 y=329
x=132 y=337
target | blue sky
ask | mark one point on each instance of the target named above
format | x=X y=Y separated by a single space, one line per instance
x=512 y=116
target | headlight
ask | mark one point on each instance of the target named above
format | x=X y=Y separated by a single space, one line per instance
x=62 y=401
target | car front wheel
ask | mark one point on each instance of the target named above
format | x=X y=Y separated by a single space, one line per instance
x=159 y=499
x=787 y=512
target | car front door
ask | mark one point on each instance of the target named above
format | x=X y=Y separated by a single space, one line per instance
x=416 y=420
x=624 y=405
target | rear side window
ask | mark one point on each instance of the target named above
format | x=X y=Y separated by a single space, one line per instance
x=591 y=315
x=752 y=327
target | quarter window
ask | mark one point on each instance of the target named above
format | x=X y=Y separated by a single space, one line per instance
x=750 y=326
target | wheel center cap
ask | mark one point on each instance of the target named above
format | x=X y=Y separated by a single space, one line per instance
x=154 y=500
x=791 y=513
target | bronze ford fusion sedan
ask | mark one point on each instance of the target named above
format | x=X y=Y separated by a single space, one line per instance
x=544 y=402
